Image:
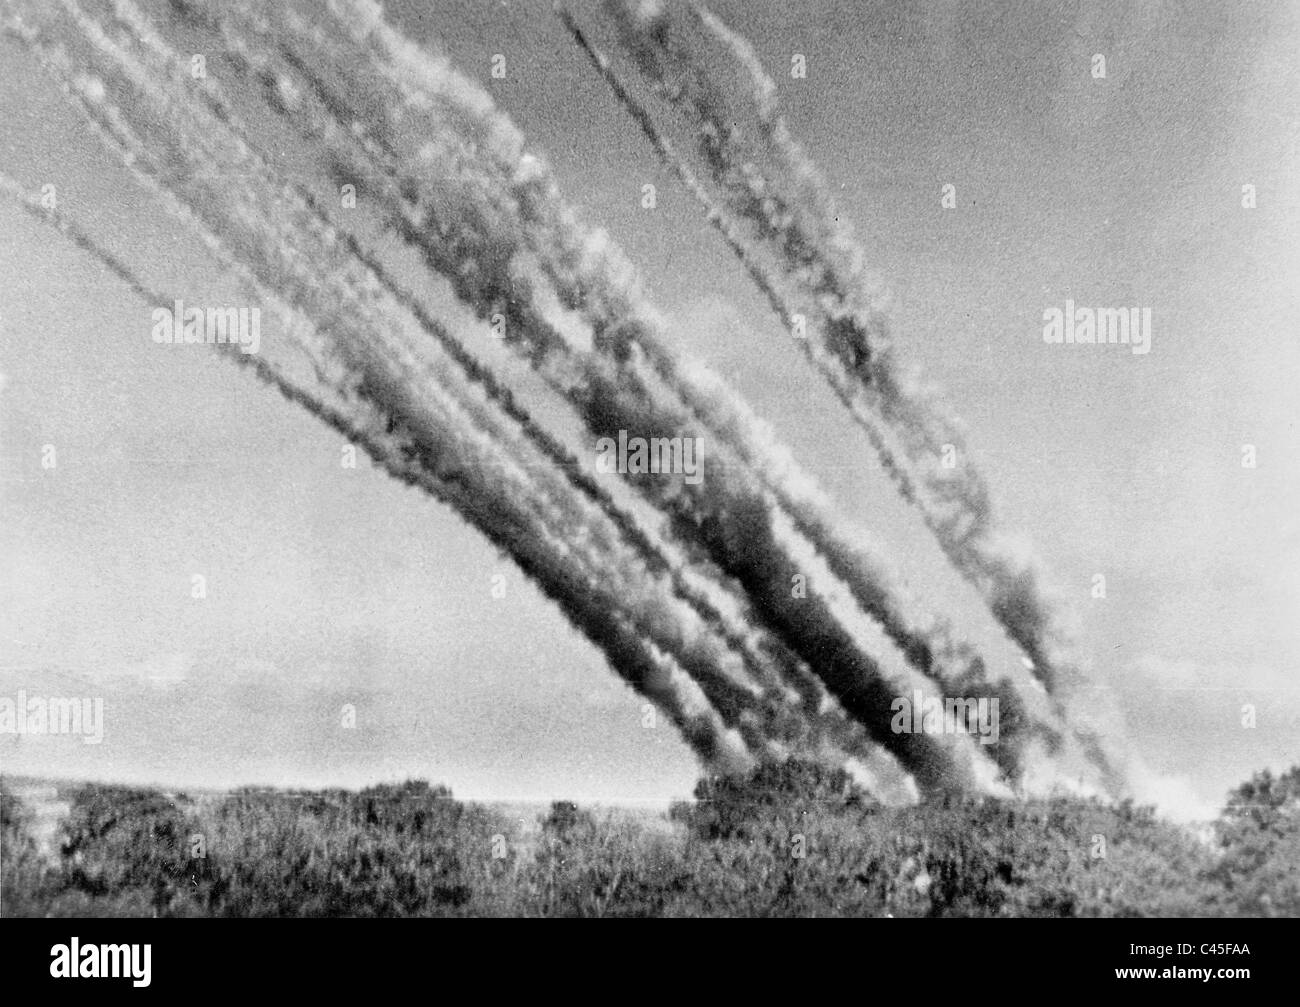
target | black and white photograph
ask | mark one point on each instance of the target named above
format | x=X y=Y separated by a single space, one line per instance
x=650 y=458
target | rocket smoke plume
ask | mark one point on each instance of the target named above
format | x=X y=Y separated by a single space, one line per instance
x=684 y=585
x=770 y=198
x=445 y=440
x=806 y=694
x=412 y=110
x=420 y=101
x=929 y=640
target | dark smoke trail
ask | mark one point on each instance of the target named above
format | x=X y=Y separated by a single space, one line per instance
x=424 y=439
x=756 y=648
x=589 y=276
x=921 y=644
x=448 y=421
x=779 y=192
x=493 y=286
x=400 y=451
x=761 y=652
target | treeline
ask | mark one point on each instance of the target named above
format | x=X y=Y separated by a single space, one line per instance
x=794 y=840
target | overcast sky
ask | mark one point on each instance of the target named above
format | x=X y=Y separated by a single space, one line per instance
x=329 y=586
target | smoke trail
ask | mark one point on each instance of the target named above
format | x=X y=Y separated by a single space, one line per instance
x=873 y=589
x=236 y=169
x=289 y=248
x=789 y=206
x=779 y=192
x=601 y=397
x=590 y=276
x=429 y=440
x=760 y=651
x=594 y=283
x=758 y=647
x=401 y=452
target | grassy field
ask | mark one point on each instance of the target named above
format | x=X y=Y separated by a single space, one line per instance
x=796 y=840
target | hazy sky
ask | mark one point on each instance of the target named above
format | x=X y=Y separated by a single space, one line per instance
x=329 y=586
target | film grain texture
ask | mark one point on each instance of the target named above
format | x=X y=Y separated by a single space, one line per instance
x=649 y=458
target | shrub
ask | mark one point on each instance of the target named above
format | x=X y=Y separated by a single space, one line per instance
x=798 y=839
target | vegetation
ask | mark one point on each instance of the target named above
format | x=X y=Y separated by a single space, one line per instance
x=793 y=840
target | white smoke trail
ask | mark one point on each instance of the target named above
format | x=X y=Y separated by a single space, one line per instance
x=481 y=203
x=761 y=652
x=811 y=245
x=143 y=80
x=589 y=274
x=778 y=191
x=439 y=437
x=399 y=451
x=874 y=584
x=288 y=247
x=758 y=647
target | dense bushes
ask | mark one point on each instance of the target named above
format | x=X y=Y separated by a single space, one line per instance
x=1259 y=833
x=387 y=851
x=796 y=839
x=24 y=877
